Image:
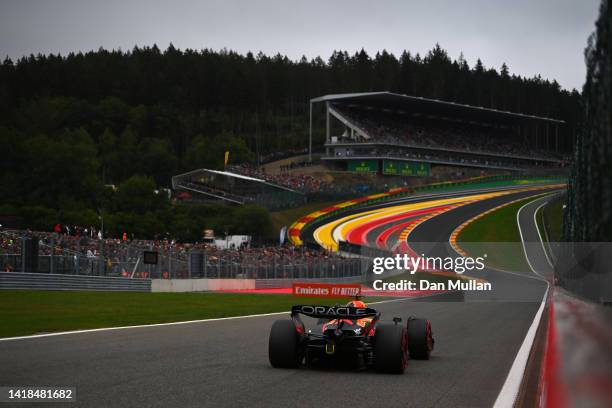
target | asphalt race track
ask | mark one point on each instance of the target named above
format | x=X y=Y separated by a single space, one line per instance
x=538 y=258
x=431 y=237
x=225 y=362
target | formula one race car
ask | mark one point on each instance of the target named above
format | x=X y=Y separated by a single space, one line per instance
x=346 y=332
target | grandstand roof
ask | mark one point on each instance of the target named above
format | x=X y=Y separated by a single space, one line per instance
x=231 y=175
x=386 y=100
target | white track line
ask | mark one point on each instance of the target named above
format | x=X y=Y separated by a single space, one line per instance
x=37 y=336
x=509 y=392
x=518 y=213
x=507 y=395
x=522 y=275
x=535 y=213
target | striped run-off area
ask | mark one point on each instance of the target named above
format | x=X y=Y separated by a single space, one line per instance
x=389 y=227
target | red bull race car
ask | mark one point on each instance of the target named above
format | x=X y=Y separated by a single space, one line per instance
x=349 y=333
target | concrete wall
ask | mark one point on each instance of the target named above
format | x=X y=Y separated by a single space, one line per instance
x=48 y=281
x=287 y=283
x=233 y=284
x=200 y=285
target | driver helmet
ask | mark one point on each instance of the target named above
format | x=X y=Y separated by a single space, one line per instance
x=356 y=303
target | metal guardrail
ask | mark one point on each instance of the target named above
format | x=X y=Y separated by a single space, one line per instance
x=287 y=283
x=126 y=259
x=198 y=264
x=203 y=266
x=583 y=268
x=43 y=281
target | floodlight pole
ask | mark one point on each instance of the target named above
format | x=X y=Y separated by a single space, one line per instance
x=326 y=122
x=310 y=136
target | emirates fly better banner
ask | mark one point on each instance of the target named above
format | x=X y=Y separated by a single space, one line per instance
x=326 y=289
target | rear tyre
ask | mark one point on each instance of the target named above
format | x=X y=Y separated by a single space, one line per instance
x=390 y=348
x=283 y=350
x=420 y=339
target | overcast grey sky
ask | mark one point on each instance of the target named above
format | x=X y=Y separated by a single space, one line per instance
x=532 y=36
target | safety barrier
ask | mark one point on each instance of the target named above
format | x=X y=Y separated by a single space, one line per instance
x=203 y=265
x=201 y=285
x=43 y=281
x=287 y=283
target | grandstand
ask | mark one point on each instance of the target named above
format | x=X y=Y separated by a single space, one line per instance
x=234 y=188
x=383 y=132
x=391 y=135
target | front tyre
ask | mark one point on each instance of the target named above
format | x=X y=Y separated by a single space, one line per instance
x=283 y=350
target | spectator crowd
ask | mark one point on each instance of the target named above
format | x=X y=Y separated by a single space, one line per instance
x=114 y=251
x=300 y=182
x=391 y=129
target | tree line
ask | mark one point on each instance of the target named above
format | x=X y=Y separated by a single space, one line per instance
x=588 y=217
x=71 y=124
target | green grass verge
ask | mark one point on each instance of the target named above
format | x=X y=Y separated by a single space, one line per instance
x=452 y=186
x=497 y=235
x=498 y=226
x=30 y=312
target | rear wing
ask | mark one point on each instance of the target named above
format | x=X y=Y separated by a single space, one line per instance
x=333 y=312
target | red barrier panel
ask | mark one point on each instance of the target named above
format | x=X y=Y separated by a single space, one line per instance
x=326 y=289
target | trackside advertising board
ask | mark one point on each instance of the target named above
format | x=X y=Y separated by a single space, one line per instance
x=363 y=166
x=326 y=289
x=402 y=168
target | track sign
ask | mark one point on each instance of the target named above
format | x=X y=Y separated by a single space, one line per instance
x=150 y=257
x=326 y=289
x=403 y=168
x=362 y=166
